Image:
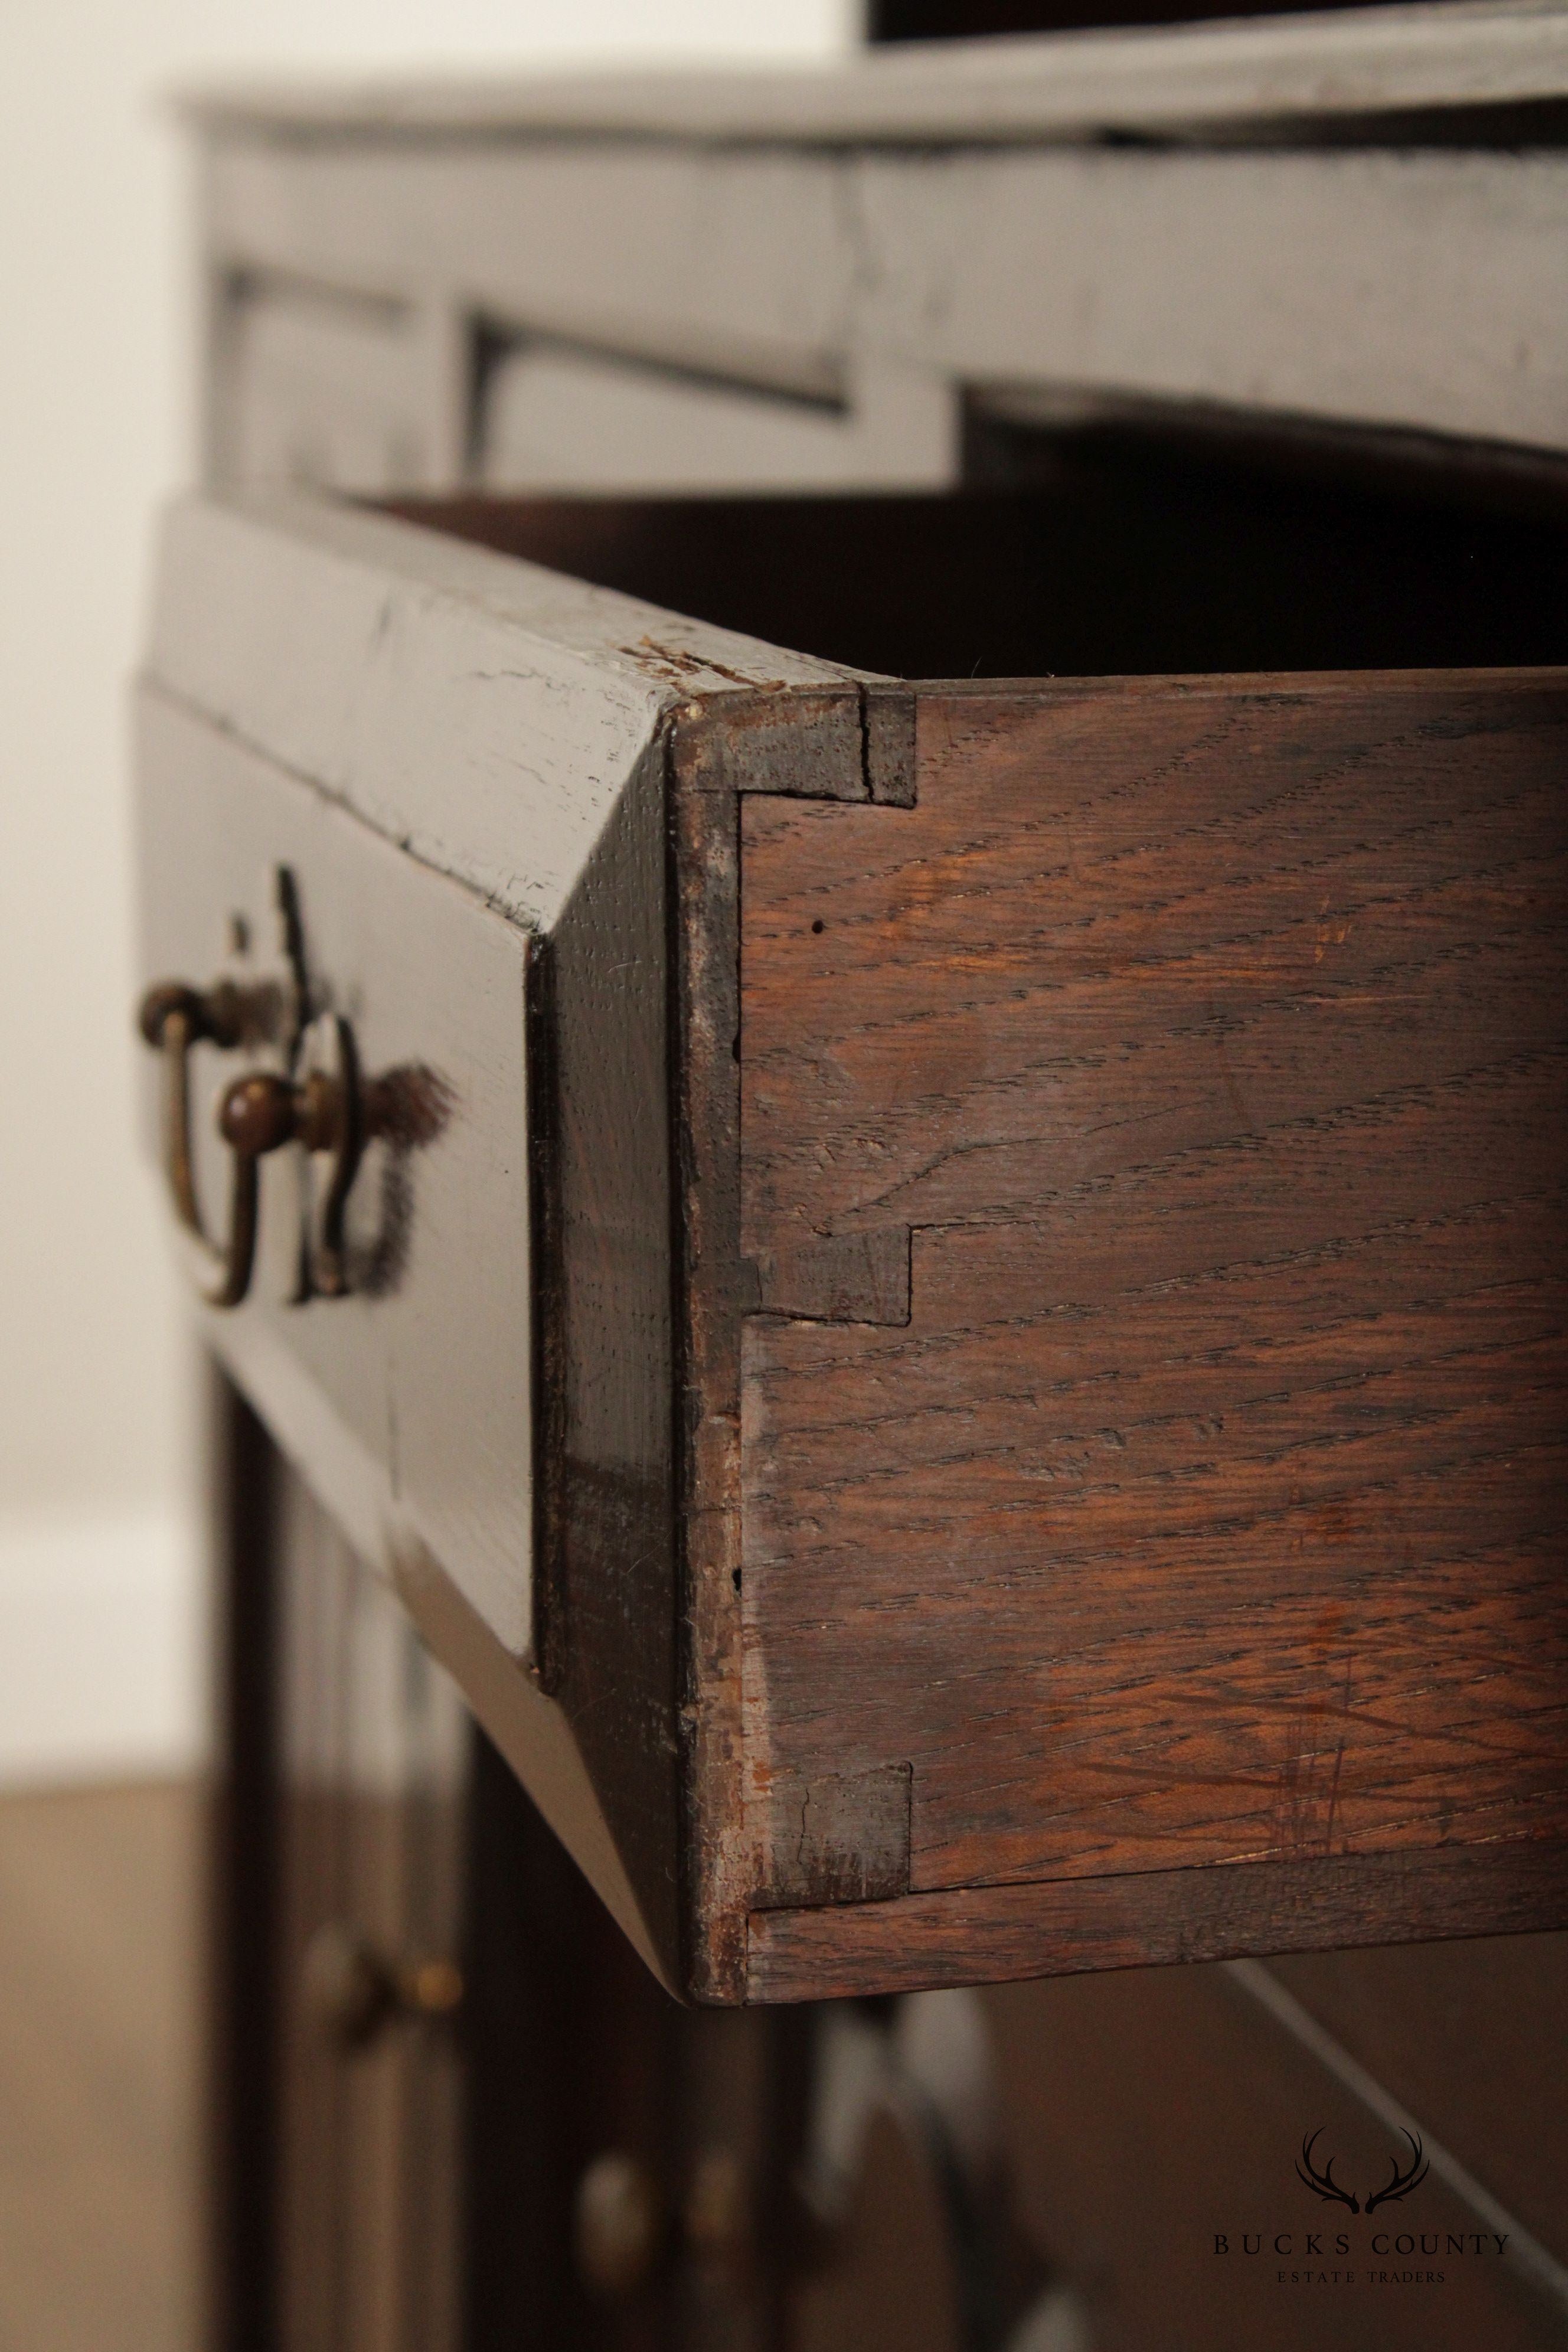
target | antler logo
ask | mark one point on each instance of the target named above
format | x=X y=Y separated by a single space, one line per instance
x=1402 y=2182
x=1323 y=2184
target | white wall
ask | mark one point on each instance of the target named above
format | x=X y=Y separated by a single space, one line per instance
x=99 y=1596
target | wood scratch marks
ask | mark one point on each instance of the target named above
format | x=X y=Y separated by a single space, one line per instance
x=1212 y=1506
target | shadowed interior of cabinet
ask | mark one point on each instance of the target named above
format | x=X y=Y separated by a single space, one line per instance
x=1116 y=550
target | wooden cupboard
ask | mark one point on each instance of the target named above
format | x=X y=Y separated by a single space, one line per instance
x=888 y=1168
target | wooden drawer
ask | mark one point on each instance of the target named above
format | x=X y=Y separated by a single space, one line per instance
x=325 y=389
x=557 y=416
x=971 y=1378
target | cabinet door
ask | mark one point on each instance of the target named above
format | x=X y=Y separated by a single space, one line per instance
x=371 y=1767
x=556 y=2153
x=943 y=1293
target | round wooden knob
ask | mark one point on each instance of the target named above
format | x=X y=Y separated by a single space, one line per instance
x=431 y=1989
x=352 y=1991
x=620 y=2225
x=256 y=1114
x=349 y=1989
x=715 y=2219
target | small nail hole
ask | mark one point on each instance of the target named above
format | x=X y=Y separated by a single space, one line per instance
x=818 y=925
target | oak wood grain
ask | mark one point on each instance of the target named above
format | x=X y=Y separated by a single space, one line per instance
x=715 y=757
x=991 y=1935
x=1210 y=1037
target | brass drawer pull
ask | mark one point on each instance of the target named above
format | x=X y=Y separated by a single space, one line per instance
x=258 y=1113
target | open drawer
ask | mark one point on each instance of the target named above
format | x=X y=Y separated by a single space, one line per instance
x=946 y=1300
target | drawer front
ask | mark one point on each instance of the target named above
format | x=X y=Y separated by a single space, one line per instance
x=409 y=1396
x=322 y=389
x=553 y=415
x=455 y=765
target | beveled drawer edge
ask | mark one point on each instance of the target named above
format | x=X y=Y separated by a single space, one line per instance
x=536 y=1740
x=380 y=659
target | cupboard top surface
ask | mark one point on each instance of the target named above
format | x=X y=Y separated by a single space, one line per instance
x=1295 y=69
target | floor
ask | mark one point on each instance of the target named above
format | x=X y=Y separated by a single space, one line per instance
x=98 y=2011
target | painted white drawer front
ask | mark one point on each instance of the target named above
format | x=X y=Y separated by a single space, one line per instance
x=406 y=1400
x=558 y=419
x=326 y=390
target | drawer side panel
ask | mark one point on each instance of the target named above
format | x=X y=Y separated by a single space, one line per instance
x=1208 y=1040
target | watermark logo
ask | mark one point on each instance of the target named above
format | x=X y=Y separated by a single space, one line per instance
x=1394 y=2250
x=1404 y=2176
